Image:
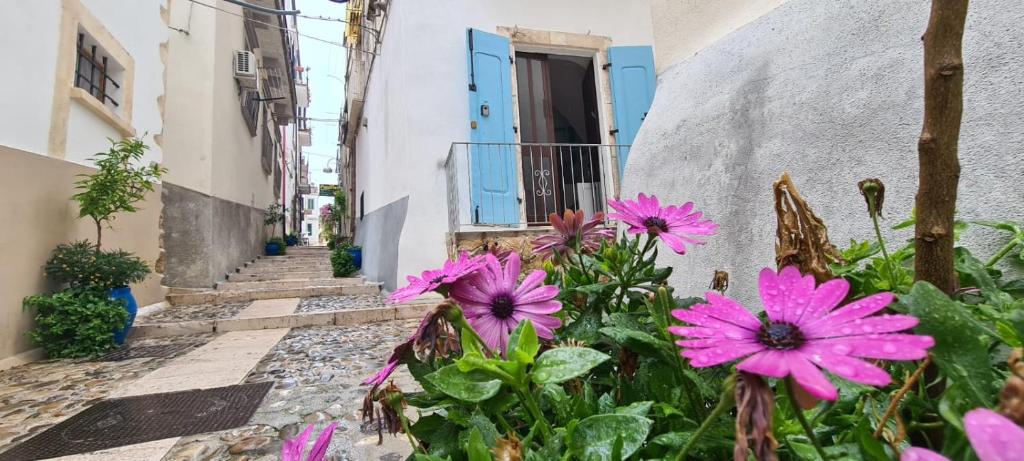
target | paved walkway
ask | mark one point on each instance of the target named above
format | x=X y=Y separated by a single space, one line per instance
x=316 y=371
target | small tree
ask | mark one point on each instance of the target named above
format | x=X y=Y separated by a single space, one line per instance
x=117 y=186
x=273 y=215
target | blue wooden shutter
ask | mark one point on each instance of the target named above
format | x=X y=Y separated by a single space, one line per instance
x=632 y=78
x=493 y=184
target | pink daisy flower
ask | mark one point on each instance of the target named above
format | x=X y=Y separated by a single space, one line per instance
x=674 y=225
x=439 y=278
x=571 y=233
x=805 y=331
x=993 y=437
x=494 y=306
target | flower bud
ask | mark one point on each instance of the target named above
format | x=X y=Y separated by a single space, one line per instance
x=874 y=195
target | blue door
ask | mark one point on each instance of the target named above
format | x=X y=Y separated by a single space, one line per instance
x=493 y=184
x=632 y=78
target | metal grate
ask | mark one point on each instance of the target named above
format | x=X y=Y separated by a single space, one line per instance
x=131 y=420
x=92 y=72
x=138 y=352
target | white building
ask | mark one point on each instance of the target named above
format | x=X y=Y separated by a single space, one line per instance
x=475 y=120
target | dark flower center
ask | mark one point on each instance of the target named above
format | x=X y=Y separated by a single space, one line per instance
x=655 y=224
x=502 y=306
x=438 y=279
x=782 y=336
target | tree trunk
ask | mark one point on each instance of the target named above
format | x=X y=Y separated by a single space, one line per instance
x=99 y=234
x=939 y=168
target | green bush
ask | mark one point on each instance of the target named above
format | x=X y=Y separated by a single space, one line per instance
x=75 y=323
x=81 y=265
x=342 y=263
x=280 y=243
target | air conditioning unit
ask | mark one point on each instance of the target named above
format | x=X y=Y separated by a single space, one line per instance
x=245 y=69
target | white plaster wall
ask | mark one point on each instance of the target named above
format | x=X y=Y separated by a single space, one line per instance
x=31 y=37
x=683 y=27
x=26 y=89
x=831 y=92
x=417 y=101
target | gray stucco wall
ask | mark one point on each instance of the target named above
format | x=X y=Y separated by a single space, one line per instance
x=206 y=237
x=379 y=233
x=830 y=91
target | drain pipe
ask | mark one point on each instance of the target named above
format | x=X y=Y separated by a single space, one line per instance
x=264 y=9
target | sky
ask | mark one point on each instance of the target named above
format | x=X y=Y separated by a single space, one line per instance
x=326 y=74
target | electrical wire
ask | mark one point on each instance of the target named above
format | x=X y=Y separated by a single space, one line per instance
x=329 y=42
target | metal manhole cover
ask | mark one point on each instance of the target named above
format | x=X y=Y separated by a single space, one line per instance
x=135 y=352
x=130 y=420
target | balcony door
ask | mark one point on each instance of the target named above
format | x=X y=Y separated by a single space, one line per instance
x=558 y=116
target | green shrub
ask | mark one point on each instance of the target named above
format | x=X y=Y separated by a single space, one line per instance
x=342 y=263
x=80 y=265
x=280 y=243
x=75 y=323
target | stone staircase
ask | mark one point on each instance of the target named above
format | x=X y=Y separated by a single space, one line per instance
x=304 y=272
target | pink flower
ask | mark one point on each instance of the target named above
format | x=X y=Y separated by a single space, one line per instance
x=433 y=279
x=805 y=331
x=572 y=233
x=494 y=306
x=674 y=225
x=993 y=436
x=292 y=449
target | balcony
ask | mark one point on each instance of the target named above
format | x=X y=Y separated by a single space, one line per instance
x=514 y=186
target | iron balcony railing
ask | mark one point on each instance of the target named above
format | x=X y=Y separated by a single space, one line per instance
x=517 y=185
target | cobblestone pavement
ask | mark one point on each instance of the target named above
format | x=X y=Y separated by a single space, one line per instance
x=338 y=303
x=317 y=371
x=35 y=396
x=194 y=312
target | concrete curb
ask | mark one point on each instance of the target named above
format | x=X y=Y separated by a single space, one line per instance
x=346 y=317
x=211 y=297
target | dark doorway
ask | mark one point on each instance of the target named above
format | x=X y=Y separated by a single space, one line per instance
x=558 y=115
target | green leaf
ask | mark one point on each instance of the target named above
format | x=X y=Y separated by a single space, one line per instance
x=639 y=342
x=594 y=437
x=564 y=363
x=961 y=344
x=474 y=386
x=870 y=448
x=523 y=344
x=635 y=408
x=476 y=449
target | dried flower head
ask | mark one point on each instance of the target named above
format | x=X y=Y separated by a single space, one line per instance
x=754 y=407
x=806 y=329
x=434 y=336
x=1011 y=398
x=720 y=281
x=508 y=449
x=874 y=195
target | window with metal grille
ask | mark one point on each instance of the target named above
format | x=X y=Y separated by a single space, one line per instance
x=96 y=71
x=251 y=109
x=267 y=154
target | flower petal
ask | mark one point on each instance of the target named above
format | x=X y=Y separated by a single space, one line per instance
x=871 y=325
x=541 y=294
x=826 y=297
x=322 y=442
x=770 y=363
x=719 y=328
x=993 y=436
x=785 y=295
x=856 y=310
x=726 y=309
x=542 y=307
x=848 y=368
x=292 y=449
x=883 y=346
x=712 y=356
x=511 y=274
x=465 y=291
x=810 y=377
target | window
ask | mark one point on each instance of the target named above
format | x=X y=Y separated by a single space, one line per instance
x=267 y=152
x=309 y=228
x=310 y=203
x=251 y=109
x=96 y=72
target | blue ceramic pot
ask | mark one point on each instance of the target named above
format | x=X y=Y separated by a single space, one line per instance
x=125 y=294
x=272 y=249
x=357 y=256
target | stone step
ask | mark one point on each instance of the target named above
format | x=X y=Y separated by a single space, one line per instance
x=292 y=259
x=283 y=268
x=289 y=263
x=307 y=250
x=290 y=283
x=239 y=296
x=275 y=275
x=339 y=318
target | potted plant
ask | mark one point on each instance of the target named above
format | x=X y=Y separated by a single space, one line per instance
x=76 y=322
x=291 y=239
x=273 y=215
x=356 y=252
x=80 y=266
x=116 y=187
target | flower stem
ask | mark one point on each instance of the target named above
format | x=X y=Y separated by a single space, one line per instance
x=724 y=405
x=881 y=243
x=788 y=384
x=534 y=409
x=1001 y=253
